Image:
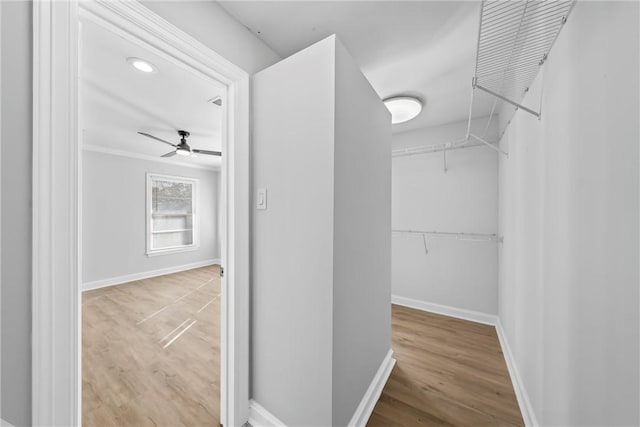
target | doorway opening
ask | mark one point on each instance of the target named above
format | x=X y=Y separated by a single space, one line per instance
x=151 y=249
x=60 y=169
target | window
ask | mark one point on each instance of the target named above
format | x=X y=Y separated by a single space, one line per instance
x=172 y=224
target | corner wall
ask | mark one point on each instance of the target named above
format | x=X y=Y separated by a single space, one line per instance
x=212 y=25
x=16 y=109
x=569 y=193
x=321 y=276
x=362 y=237
x=292 y=240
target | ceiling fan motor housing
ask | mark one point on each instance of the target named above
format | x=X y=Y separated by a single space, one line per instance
x=182 y=148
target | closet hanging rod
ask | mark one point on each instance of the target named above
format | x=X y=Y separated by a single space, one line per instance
x=434 y=148
x=479 y=237
x=450 y=146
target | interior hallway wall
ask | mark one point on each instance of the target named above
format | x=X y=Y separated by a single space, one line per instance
x=114 y=219
x=455 y=273
x=569 y=215
x=362 y=238
x=208 y=22
x=16 y=107
x=249 y=53
x=321 y=297
x=292 y=240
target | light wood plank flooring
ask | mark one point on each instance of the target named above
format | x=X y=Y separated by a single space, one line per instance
x=151 y=357
x=448 y=372
x=150 y=353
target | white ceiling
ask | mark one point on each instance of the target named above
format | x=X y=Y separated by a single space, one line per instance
x=421 y=48
x=118 y=101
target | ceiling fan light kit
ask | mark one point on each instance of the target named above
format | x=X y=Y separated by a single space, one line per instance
x=182 y=149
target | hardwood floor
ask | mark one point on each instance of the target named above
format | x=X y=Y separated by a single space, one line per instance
x=150 y=354
x=151 y=358
x=448 y=372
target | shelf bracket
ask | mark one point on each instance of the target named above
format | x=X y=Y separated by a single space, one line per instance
x=488 y=144
x=444 y=158
x=505 y=99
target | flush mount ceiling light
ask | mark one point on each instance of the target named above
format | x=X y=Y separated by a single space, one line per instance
x=142 y=65
x=403 y=108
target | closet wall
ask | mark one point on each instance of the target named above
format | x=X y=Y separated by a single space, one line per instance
x=458 y=274
x=569 y=216
x=321 y=316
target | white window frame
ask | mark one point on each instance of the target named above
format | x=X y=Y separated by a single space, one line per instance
x=195 y=197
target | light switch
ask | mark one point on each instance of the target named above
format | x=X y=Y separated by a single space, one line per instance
x=262 y=199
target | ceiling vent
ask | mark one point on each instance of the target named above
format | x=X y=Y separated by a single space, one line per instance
x=216 y=100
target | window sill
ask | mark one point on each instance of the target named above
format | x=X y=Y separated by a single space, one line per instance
x=172 y=251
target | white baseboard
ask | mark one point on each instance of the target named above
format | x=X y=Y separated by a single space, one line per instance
x=526 y=408
x=461 y=313
x=365 y=408
x=260 y=417
x=146 y=275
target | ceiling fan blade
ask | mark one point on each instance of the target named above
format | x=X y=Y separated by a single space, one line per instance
x=211 y=153
x=156 y=138
x=169 y=154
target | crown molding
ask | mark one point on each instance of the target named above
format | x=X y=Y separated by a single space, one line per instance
x=147 y=157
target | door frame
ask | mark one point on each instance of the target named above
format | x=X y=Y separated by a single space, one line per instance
x=57 y=197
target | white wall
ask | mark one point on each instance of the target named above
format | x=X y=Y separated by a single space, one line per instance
x=321 y=281
x=208 y=22
x=292 y=241
x=362 y=236
x=16 y=211
x=569 y=277
x=248 y=52
x=456 y=273
x=114 y=197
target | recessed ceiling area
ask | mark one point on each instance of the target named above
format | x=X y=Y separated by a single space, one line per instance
x=119 y=100
x=424 y=49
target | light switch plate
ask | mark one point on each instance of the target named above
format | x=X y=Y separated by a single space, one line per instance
x=261 y=199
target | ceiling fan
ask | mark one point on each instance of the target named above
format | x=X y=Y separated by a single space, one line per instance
x=182 y=148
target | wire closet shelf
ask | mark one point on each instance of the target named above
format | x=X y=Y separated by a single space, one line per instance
x=514 y=42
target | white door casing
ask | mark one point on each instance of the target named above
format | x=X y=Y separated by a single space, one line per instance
x=57 y=168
